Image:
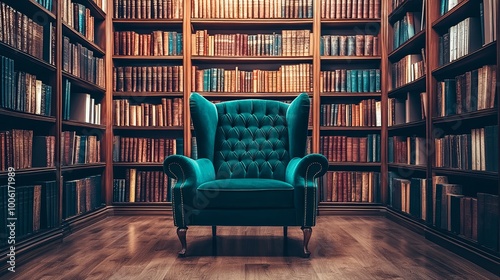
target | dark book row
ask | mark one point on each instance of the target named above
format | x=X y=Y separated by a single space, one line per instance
x=471 y=91
x=365 y=113
x=16 y=148
x=407 y=150
x=460 y=40
x=447 y=5
x=350 y=9
x=78 y=16
x=148 y=78
x=254 y=9
x=81 y=196
x=22 y=91
x=346 y=186
x=169 y=112
x=29 y=209
x=79 y=149
x=404 y=29
x=477 y=150
x=344 y=45
x=288 y=78
x=157 y=43
x=445 y=206
x=142 y=186
x=353 y=80
x=81 y=62
x=27 y=35
x=351 y=149
x=408 y=69
x=135 y=149
x=148 y=9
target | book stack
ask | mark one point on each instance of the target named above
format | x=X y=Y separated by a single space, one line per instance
x=81 y=62
x=404 y=29
x=349 y=45
x=78 y=17
x=22 y=91
x=351 y=149
x=365 y=113
x=135 y=149
x=288 y=78
x=148 y=9
x=79 y=149
x=407 y=70
x=354 y=80
x=166 y=113
x=81 y=196
x=461 y=40
x=344 y=9
x=252 y=9
x=411 y=196
x=142 y=186
x=348 y=186
x=80 y=107
x=148 y=79
x=288 y=43
x=409 y=108
x=156 y=43
x=16 y=148
x=407 y=150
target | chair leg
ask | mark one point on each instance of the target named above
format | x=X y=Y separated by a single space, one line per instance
x=285 y=231
x=181 y=233
x=307 y=235
x=214 y=231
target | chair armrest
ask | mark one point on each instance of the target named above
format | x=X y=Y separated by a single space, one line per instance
x=189 y=174
x=301 y=173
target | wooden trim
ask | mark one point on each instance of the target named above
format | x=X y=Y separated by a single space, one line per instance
x=351 y=209
x=416 y=41
x=28 y=116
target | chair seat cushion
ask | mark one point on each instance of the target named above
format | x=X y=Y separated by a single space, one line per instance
x=245 y=193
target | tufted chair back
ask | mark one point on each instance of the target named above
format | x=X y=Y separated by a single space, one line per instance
x=250 y=138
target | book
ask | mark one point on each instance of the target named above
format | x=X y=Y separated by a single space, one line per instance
x=344 y=186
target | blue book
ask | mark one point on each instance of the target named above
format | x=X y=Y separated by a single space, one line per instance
x=444 y=7
x=366 y=80
x=48 y=101
x=83 y=149
x=360 y=80
x=372 y=80
x=279 y=44
x=334 y=45
x=351 y=45
x=377 y=148
x=377 y=80
x=390 y=150
x=369 y=148
x=206 y=80
x=354 y=80
x=348 y=81
x=213 y=79
x=335 y=112
x=396 y=35
x=179 y=43
x=322 y=45
x=171 y=43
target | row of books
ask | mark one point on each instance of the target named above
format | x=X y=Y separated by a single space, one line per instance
x=136 y=149
x=342 y=9
x=36 y=208
x=142 y=186
x=45 y=150
x=148 y=9
x=354 y=80
x=22 y=91
x=409 y=108
x=288 y=78
x=407 y=70
x=474 y=90
x=351 y=149
x=477 y=150
x=461 y=40
x=102 y=4
x=447 y=5
x=349 y=45
x=288 y=43
x=407 y=150
x=157 y=43
x=81 y=62
x=78 y=16
x=80 y=106
x=47 y=4
x=79 y=149
x=445 y=206
x=169 y=112
x=16 y=148
x=148 y=79
x=404 y=29
x=27 y=35
x=488 y=11
x=252 y=9
x=365 y=113
x=81 y=196
x=349 y=186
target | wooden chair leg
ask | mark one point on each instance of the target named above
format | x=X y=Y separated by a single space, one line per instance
x=307 y=235
x=181 y=233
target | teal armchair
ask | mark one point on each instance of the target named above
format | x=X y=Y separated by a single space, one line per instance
x=252 y=168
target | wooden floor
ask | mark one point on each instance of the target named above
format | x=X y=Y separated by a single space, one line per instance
x=343 y=247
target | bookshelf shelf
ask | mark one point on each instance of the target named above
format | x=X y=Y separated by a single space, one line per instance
x=487 y=113
x=137 y=164
x=480 y=57
x=146 y=128
x=71 y=33
x=148 y=58
x=20 y=56
x=413 y=45
x=147 y=94
x=97 y=12
x=27 y=116
x=351 y=94
x=406 y=6
x=82 y=83
x=250 y=94
x=354 y=164
x=489 y=175
x=249 y=23
x=30 y=171
x=417 y=85
x=85 y=166
x=350 y=22
x=147 y=22
x=250 y=59
x=413 y=167
x=410 y=125
x=351 y=128
x=455 y=15
x=351 y=58
x=142 y=203
x=72 y=123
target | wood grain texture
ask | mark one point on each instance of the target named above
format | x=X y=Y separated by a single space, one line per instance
x=342 y=247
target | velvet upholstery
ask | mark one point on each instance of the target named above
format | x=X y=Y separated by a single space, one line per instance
x=252 y=170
